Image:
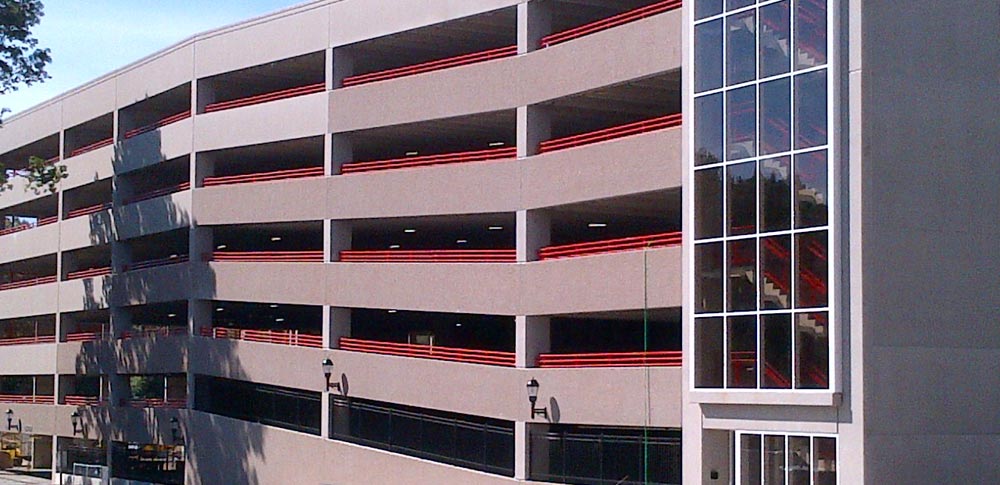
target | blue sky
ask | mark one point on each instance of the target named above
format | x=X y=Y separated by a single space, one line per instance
x=89 y=38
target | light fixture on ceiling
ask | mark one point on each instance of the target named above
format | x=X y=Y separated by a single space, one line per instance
x=495 y=228
x=275 y=238
x=497 y=144
x=221 y=246
x=596 y=225
x=409 y=231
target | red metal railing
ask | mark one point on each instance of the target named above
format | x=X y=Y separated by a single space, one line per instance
x=26 y=399
x=471 y=356
x=34 y=339
x=607 y=23
x=91 y=147
x=173 y=189
x=83 y=401
x=159 y=124
x=264 y=98
x=30 y=282
x=268 y=256
x=428 y=160
x=435 y=65
x=610 y=246
x=88 y=273
x=264 y=176
x=157 y=403
x=664 y=358
x=24 y=227
x=430 y=256
x=86 y=211
x=86 y=336
x=637 y=128
x=280 y=337
x=153 y=263
x=159 y=332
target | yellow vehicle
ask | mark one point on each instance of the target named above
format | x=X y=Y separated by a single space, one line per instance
x=11 y=454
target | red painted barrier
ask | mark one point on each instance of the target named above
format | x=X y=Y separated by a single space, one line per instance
x=610 y=246
x=154 y=263
x=30 y=282
x=88 y=273
x=279 y=337
x=263 y=176
x=86 y=211
x=637 y=128
x=159 y=332
x=157 y=403
x=471 y=356
x=664 y=358
x=266 y=97
x=430 y=256
x=428 y=160
x=91 y=147
x=268 y=256
x=83 y=401
x=26 y=399
x=24 y=227
x=430 y=66
x=159 y=124
x=614 y=21
x=32 y=340
x=158 y=193
x=86 y=336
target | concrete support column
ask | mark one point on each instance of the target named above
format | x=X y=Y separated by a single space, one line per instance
x=325 y=416
x=522 y=451
x=534 y=231
x=202 y=94
x=336 y=324
x=341 y=151
x=328 y=169
x=203 y=167
x=201 y=243
x=534 y=21
x=121 y=255
x=340 y=234
x=121 y=320
x=534 y=125
x=532 y=336
x=120 y=390
x=199 y=315
x=343 y=66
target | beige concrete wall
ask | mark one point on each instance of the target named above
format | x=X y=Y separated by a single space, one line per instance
x=38 y=241
x=285 y=119
x=88 y=168
x=28 y=360
x=34 y=300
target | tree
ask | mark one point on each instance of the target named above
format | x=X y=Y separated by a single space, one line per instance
x=22 y=63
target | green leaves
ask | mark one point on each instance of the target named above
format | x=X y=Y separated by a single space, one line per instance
x=21 y=61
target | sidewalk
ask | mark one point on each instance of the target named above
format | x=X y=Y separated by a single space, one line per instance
x=8 y=478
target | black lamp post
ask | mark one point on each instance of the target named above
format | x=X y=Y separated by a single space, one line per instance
x=75 y=417
x=175 y=430
x=328 y=372
x=10 y=421
x=533 y=398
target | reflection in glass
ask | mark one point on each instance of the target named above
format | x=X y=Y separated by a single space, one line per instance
x=812 y=351
x=708 y=203
x=707 y=8
x=810 y=33
x=741 y=48
x=824 y=461
x=708 y=56
x=811 y=269
x=750 y=461
x=708 y=352
x=742 y=352
x=774 y=460
x=811 y=190
x=777 y=349
x=741 y=121
x=708 y=129
x=741 y=275
x=775 y=116
x=798 y=460
x=810 y=109
x=741 y=196
x=776 y=272
x=775 y=39
x=775 y=194
x=708 y=278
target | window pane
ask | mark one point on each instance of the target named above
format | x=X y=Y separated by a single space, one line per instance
x=741 y=275
x=735 y=4
x=776 y=194
x=708 y=352
x=810 y=33
x=708 y=56
x=810 y=109
x=741 y=48
x=708 y=129
x=775 y=116
x=798 y=460
x=708 y=203
x=811 y=270
x=777 y=348
x=742 y=352
x=708 y=282
x=811 y=190
x=707 y=8
x=741 y=123
x=824 y=461
x=774 y=460
x=812 y=348
x=742 y=198
x=750 y=459
x=775 y=39
x=776 y=272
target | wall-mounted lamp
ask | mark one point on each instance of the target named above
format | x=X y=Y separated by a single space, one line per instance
x=533 y=398
x=175 y=431
x=328 y=372
x=10 y=421
x=75 y=417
